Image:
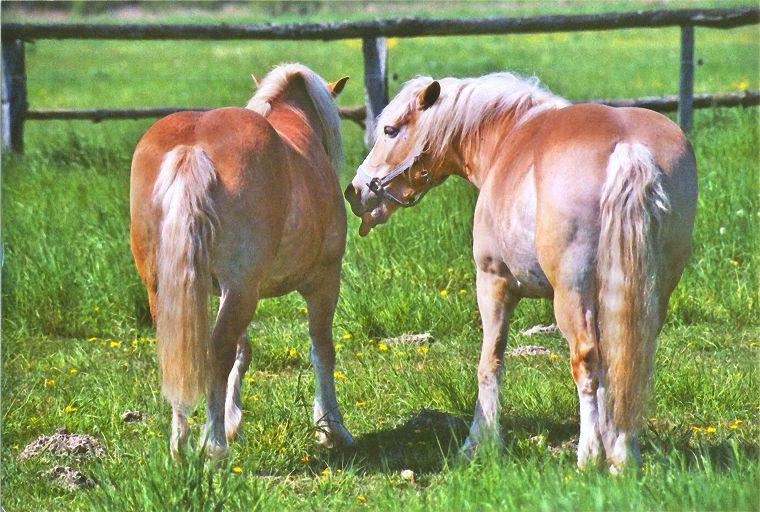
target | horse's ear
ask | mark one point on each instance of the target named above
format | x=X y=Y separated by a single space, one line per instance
x=427 y=97
x=337 y=86
x=256 y=81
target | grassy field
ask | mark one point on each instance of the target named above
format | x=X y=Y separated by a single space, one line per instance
x=78 y=349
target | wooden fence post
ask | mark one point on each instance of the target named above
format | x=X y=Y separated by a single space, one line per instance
x=14 y=95
x=375 y=53
x=686 y=82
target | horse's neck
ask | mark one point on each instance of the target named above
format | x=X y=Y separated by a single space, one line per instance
x=472 y=156
x=298 y=130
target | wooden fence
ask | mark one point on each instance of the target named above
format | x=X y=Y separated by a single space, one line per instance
x=15 y=109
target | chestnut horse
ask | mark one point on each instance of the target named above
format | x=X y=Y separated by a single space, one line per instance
x=589 y=205
x=244 y=203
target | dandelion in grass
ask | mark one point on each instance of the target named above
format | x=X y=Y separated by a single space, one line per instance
x=70 y=408
x=73 y=371
x=237 y=469
x=339 y=375
x=115 y=344
x=361 y=499
x=421 y=350
x=444 y=292
x=305 y=458
x=338 y=346
x=696 y=428
x=291 y=352
x=359 y=354
x=97 y=309
x=346 y=335
x=326 y=472
x=462 y=292
x=710 y=429
x=652 y=419
x=49 y=382
x=92 y=339
x=382 y=346
x=553 y=357
x=361 y=404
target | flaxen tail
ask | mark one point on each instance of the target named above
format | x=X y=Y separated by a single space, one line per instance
x=184 y=276
x=628 y=267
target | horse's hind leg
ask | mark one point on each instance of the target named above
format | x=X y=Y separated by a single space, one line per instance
x=232 y=409
x=575 y=316
x=235 y=313
x=321 y=299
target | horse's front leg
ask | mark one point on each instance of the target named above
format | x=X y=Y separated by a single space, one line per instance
x=496 y=304
x=321 y=300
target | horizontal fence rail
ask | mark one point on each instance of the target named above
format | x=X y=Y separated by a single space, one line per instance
x=401 y=27
x=658 y=103
x=15 y=109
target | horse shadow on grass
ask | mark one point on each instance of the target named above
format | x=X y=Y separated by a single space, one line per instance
x=430 y=440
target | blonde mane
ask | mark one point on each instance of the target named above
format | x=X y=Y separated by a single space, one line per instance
x=277 y=81
x=465 y=104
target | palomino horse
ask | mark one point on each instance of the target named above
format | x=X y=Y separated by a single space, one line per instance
x=590 y=205
x=242 y=202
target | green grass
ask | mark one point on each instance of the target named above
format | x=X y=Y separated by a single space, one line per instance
x=71 y=300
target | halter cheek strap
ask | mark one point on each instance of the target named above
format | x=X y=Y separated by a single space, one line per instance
x=380 y=185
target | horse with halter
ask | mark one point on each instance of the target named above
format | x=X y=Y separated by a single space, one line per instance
x=244 y=203
x=590 y=205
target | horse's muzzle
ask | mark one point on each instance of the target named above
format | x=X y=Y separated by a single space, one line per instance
x=354 y=200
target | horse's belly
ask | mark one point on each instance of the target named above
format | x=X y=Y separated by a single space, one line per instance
x=529 y=281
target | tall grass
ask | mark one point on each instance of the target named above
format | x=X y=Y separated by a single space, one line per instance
x=78 y=347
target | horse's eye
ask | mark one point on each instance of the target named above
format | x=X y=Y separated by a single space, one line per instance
x=390 y=131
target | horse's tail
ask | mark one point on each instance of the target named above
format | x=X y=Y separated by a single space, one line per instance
x=184 y=277
x=628 y=267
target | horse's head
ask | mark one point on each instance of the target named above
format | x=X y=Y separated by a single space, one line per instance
x=397 y=171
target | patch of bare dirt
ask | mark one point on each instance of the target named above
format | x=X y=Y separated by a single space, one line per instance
x=63 y=444
x=417 y=339
x=541 y=329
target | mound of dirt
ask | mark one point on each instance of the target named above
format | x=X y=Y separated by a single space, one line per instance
x=530 y=350
x=68 y=478
x=63 y=444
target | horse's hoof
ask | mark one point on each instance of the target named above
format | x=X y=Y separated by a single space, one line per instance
x=338 y=436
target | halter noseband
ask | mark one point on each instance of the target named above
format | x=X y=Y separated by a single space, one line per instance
x=379 y=185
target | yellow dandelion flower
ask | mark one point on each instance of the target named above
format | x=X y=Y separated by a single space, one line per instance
x=50 y=382
x=237 y=469
x=568 y=478
x=382 y=346
x=70 y=408
x=359 y=354
x=97 y=309
x=361 y=499
x=742 y=84
x=92 y=339
x=73 y=371
x=326 y=471
x=361 y=404
x=380 y=421
x=346 y=335
x=695 y=428
x=338 y=346
x=304 y=458
x=553 y=357
x=421 y=350
x=652 y=419
x=283 y=449
x=462 y=292
x=738 y=422
x=710 y=429
x=733 y=426
x=291 y=351
x=114 y=343
x=339 y=375
x=391 y=42
x=444 y=292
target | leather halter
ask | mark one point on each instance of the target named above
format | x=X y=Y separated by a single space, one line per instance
x=380 y=185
